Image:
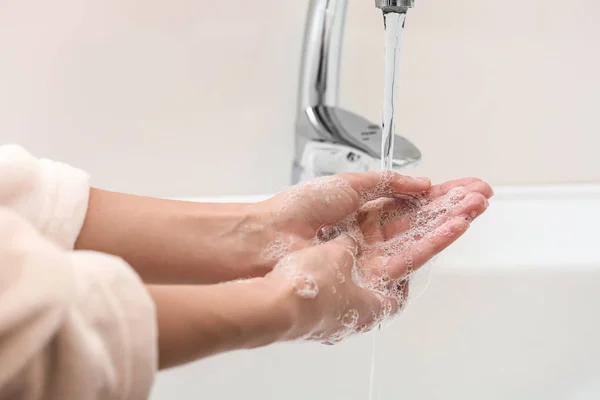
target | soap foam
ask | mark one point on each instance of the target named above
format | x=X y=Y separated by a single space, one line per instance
x=277 y=249
x=305 y=286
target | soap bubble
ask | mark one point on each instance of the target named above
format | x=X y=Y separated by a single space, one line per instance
x=305 y=286
x=277 y=249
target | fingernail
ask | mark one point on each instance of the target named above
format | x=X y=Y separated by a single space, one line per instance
x=424 y=179
x=486 y=203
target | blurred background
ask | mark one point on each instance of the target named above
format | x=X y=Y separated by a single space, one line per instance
x=197 y=97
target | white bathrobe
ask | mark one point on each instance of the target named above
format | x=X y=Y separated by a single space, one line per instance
x=73 y=324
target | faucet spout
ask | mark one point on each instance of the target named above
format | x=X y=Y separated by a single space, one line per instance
x=399 y=6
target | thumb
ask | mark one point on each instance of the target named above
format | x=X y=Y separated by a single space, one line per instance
x=348 y=242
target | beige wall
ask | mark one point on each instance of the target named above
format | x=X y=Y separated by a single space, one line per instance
x=155 y=96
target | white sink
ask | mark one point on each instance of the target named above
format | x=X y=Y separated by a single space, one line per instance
x=512 y=311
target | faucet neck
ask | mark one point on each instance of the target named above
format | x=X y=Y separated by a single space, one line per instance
x=319 y=76
x=322 y=49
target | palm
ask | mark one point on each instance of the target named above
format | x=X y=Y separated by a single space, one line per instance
x=403 y=233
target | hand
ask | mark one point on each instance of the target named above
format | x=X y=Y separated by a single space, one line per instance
x=349 y=283
x=295 y=219
x=343 y=280
x=329 y=304
x=391 y=238
x=403 y=233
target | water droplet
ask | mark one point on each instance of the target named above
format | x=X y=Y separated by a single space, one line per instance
x=328 y=232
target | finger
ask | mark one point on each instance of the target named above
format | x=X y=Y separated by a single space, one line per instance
x=388 y=214
x=435 y=209
x=471 y=184
x=442 y=189
x=480 y=187
x=386 y=183
x=416 y=255
x=471 y=207
x=403 y=288
x=432 y=216
x=399 y=291
x=340 y=251
x=343 y=251
x=348 y=242
x=400 y=205
x=374 y=308
x=388 y=306
x=370 y=220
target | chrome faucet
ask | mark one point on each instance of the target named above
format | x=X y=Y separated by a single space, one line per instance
x=331 y=140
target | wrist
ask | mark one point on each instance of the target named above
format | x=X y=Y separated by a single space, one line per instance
x=274 y=314
x=298 y=315
x=199 y=321
x=223 y=242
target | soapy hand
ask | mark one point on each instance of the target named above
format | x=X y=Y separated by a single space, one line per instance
x=296 y=215
x=354 y=272
x=329 y=303
x=385 y=203
x=405 y=232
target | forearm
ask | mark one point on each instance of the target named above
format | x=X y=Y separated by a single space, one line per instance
x=199 y=321
x=172 y=241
